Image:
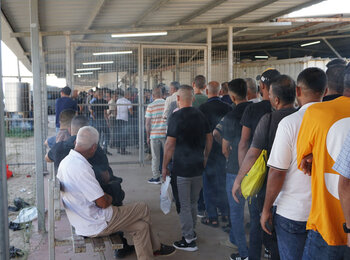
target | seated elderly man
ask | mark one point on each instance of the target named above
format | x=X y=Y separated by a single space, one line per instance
x=89 y=209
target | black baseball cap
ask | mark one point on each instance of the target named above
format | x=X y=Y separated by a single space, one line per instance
x=268 y=75
x=66 y=90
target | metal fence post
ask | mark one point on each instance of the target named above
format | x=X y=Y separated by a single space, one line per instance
x=44 y=96
x=4 y=231
x=209 y=37
x=141 y=108
x=38 y=131
x=229 y=54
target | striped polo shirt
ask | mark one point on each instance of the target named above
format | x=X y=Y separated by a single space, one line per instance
x=158 y=124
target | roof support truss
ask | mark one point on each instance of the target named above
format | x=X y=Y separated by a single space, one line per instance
x=158 y=4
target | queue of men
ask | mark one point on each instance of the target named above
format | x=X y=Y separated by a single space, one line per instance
x=208 y=145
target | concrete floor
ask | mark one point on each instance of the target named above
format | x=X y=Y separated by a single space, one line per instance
x=167 y=226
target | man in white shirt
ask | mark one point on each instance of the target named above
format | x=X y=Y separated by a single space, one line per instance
x=287 y=187
x=124 y=107
x=89 y=209
x=170 y=102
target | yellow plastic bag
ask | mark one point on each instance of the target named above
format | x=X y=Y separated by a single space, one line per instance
x=254 y=179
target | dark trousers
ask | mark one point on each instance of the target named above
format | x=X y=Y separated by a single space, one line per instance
x=121 y=135
x=214 y=188
x=103 y=130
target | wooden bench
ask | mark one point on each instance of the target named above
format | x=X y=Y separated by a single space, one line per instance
x=78 y=242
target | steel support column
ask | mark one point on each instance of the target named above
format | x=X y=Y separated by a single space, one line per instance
x=229 y=54
x=177 y=65
x=141 y=108
x=209 y=35
x=4 y=231
x=68 y=62
x=38 y=133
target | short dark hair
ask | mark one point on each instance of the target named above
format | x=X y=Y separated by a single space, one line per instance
x=283 y=87
x=314 y=79
x=66 y=90
x=200 y=81
x=78 y=122
x=175 y=84
x=66 y=116
x=158 y=90
x=186 y=87
x=336 y=62
x=335 y=75
x=239 y=87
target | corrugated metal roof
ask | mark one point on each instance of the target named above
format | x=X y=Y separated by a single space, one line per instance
x=79 y=15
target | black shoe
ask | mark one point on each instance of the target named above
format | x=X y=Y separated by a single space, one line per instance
x=108 y=153
x=226 y=228
x=238 y=257
x=164 y=250
x=121 y=253
x=183 y=245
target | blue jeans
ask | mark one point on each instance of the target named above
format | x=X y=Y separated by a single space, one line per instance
x=237 y=233
x=255 y=233
x=214 y=193
x=291 y=237
x=317 y=249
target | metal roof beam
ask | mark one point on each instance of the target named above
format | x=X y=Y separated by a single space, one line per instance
x=332 y=48
x=247 y=10
x=158 y=4
x=201 y=11
x=284 y=40
x=328 y=28
x=152 y=29
x=314 y=20
x=273 y=16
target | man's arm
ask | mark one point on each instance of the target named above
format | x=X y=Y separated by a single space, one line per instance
x=104 y=202
x=217 y=136
x=243 y=145
x=226 y=148
x=249 y=160
x=207 y=149
x=130 y=110
x=169 y=149
x=275 y=182
x=47 y=158
x=148 y=129
x=344 y=196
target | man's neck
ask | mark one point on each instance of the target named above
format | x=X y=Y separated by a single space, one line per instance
x=237 y=102
x=212 y=96
x=185 y=105
x=197 y=91
x=309 y=100
x=284 y=106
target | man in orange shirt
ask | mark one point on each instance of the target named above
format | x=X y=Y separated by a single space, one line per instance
x=322 y=133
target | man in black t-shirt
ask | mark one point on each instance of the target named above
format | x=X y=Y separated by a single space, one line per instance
x=214 y=174
x=282 y=97
x=100 y=121
x=231 y=134
x=249 y=121
x=189 y=141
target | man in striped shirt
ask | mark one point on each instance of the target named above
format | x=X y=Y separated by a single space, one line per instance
x=156 y=131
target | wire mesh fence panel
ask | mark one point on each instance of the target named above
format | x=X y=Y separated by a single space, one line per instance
x=114 y=108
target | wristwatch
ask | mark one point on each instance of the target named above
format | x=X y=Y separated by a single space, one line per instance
x=346 y=230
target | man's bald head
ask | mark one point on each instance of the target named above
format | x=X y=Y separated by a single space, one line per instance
x=213 y=88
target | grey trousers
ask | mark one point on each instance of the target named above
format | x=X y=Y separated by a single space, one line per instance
x=156 y=145
x=188 y=189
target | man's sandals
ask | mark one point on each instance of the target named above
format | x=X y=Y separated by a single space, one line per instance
x=210 y=222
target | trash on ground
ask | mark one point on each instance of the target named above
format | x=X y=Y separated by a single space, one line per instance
x=26 y=215
x=15 y=226
x=15 y=252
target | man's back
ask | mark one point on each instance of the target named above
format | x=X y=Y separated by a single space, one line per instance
x=64 y=103
x=81 y=189
x=189 y=126
x=322 y=133
x=98 y=109
x=214 y=110
x=199 y=99
x=254 y=113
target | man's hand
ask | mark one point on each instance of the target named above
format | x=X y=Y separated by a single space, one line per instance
x=236 y=189
x=165 y=172
x=148 y=140
x=306 y=164
x=266 y=216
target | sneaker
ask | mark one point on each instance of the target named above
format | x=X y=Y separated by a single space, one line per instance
x=183 y=245
x=201 y=213
x=238 y=257
x=164 y=250
x=154 y=181
x=267 y=254
x=226 y=228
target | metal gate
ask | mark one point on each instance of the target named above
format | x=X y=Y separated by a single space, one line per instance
x=129 y=72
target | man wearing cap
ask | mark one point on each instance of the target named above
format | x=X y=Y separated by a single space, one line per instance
x=63 y=103
x=250 y=119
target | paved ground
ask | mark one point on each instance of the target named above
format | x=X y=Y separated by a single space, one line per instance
x=167 y=226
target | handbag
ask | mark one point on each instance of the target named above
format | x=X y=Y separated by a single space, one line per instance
x=254 y=179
